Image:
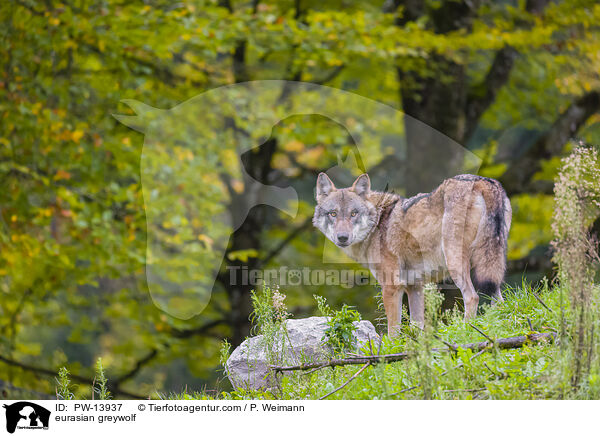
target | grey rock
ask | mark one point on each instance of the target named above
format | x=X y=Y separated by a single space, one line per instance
x=248 y=365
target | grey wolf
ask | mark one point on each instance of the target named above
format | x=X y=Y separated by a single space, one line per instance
x=461 y=226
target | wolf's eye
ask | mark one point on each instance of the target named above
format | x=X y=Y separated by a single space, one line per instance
x=333 y=214
x=354 y=213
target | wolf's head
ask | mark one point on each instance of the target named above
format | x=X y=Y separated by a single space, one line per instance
x=345 y=216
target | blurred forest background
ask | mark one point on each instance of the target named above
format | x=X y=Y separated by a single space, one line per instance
x=513 y=81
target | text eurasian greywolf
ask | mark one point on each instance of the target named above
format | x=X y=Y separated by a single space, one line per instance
x=461 y=226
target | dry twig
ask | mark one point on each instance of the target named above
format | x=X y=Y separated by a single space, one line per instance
x=482 y=333
x=542 y=302
x=356 y=374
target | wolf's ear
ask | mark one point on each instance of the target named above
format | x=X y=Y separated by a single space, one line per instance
x=324 y=186
x=362 y=185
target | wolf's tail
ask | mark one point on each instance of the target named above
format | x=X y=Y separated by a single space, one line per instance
x=489 y=256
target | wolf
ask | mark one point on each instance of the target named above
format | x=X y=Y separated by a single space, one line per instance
x=459 y=230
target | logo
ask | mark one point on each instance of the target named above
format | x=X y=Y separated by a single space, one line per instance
x=26 y=415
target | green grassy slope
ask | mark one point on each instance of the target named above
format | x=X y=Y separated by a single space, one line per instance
x=526 y=373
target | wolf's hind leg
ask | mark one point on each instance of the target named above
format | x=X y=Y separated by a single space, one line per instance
x=459 y=269
x=462 y=279
x=459 y=228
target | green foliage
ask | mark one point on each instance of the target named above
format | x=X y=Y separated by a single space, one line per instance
x=577 y=192
x=63 y=385
x=322 y=305
x=269 y=310
x=577 y=205
x=422 y=343
x=64 y=388
x=268 y=319
x=100 y=382
x=340 y=325
x=224 y=352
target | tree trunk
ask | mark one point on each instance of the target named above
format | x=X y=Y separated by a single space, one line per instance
x=235 y=278
x=438 y=102
x=435 y=95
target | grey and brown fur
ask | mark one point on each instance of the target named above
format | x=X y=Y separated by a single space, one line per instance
x=461 y=226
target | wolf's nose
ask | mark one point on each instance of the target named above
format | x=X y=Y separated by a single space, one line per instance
x=342 y=238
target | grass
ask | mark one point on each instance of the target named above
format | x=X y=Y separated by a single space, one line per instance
x=525 y=373
x=531 y=372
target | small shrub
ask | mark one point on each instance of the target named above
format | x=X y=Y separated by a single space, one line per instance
x=322 y=305
x=339 y=334
x=577 y=199
x=269 y=310
x=424 y=366
x=268 y=319
x=101 y=382
x=63 y=389
x=224 y=352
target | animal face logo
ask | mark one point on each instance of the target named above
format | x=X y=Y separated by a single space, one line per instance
x=197 y=191
x=26 y=415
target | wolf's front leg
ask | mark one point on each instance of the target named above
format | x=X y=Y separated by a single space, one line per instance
x=392 y=302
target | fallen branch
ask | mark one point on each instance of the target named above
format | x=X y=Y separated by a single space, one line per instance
x=465 y=390
x=503 y=344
